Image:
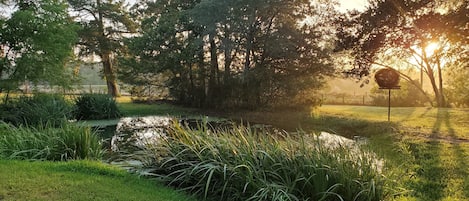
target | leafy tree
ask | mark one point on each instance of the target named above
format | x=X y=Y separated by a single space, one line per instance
x=104 y=23
x=403 y=31
x=459 y=86
x=36 y=43
x=231 y=53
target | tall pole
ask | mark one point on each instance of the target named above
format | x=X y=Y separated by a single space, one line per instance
x=389 y=105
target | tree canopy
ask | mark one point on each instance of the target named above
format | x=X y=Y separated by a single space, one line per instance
x=231 y=53
x=36 y=44
x=404 y=30
x=103 y=22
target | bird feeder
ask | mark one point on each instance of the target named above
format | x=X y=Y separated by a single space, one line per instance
x=388 y=78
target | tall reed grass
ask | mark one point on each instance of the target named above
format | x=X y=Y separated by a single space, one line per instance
x=49 y=143
x=242 y=164
x=37 y=110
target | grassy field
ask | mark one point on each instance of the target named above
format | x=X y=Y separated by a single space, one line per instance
x=427 y=148
x=440 y=123
x=77 y=180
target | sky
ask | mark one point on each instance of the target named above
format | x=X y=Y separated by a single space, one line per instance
x=352 y=4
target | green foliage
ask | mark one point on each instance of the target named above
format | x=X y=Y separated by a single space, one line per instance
x=103 y=24
x=458 y=89
x=37 y=110
x=79 y=180
x=96 y=106
x=241 y=164
x=68 y=142
x=233 y=54
x=36 y=44
x=407 y=96
x=380 y=36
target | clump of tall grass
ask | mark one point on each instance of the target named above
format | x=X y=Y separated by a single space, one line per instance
x=37 y=110
x=96 y=106
x=242 y=164
x=66 y=142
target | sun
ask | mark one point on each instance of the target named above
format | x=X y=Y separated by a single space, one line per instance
x=431 y=48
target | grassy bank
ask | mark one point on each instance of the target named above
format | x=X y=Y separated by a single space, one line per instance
x=427 y=148
x=77 y=180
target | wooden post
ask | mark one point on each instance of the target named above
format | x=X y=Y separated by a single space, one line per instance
x=389 y=105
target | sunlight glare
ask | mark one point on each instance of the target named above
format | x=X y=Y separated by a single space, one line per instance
x=431 y=48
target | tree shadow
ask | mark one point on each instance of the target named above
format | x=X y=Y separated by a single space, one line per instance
x=442 y=161
x=408 y=116
x=459 y=157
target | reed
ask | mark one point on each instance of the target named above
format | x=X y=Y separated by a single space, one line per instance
x=248 y=164
x=47 y=142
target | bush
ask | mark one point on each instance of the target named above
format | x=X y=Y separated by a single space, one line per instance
x=241 y=164
x=96 y=106
x=37 y=110
x=49 y=143
x=407 y=96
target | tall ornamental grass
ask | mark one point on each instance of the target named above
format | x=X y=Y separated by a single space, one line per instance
x=242 y=164
x=49 y=143
x=96 y=106
x=37 y=110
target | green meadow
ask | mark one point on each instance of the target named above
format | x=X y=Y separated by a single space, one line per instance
x=427 y=149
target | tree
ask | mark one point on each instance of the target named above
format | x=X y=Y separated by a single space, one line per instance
x=232 y=53
x=36 y=43
x=104 y=22
x=405 y=31
x=459 y=86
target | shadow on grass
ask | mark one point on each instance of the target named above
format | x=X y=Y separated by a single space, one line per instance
x=458 y=170
x=441 y=164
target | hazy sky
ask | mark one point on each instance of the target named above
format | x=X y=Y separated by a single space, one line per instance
x=352 y=4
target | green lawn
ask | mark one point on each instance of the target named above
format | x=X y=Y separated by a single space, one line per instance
x=427 y=148
x=446 y=123
x=133 y=109
x=77 y=180
x=427 y=151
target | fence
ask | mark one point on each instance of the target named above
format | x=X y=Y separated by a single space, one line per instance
x=347 y=99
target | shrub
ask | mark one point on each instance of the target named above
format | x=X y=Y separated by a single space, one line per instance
x=37 y=110
x=240 y=164
x=49 y=143
x=96 y=106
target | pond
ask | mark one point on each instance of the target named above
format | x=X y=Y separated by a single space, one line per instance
x=136 y=132
x=132 y=135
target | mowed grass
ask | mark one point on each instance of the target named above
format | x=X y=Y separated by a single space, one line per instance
x=450 y=123
x=77 y=180
x=427 y=149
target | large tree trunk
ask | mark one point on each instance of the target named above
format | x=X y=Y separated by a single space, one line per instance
x=110 y=75
x=442 y=99
x=436 y=91
x=212 y=82
x=109 y=72
x=228 y=59
x=201 y=76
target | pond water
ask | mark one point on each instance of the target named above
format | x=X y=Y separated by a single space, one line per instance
x=132 y=134
x=137 y=132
